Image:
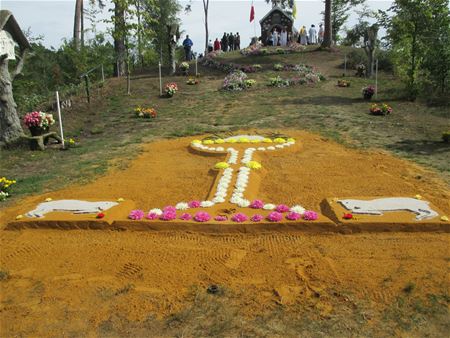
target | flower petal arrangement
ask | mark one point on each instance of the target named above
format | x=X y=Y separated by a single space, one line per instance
x=136 y=215
x=145 y=112
x=202 y=216
x=275 y=216
x=38 y=119
x=239 y=218
x=170 y=89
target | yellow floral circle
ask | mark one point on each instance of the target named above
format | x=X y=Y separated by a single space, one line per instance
x=196 y=142
x=232 y=140
x=267 y=140
x=220 y=141
x=243 y=140
x=208 y=142
x=291 y=139
x=279 y=140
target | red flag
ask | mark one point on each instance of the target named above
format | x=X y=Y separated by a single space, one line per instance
x=252 y=13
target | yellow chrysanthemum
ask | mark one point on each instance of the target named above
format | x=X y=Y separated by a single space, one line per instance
x=221 y=165
x=279 y=140
x=220 y=141
x=232 y=140
x=418 y=197
x=267 y=140
x=48 y=199
x=444 y=219
x=253 y=165
x=196 y=142
x=243 y=140
x=120 y=199
x=208 y=142
x=19 y=217
x=254 y=141
x=291 y=139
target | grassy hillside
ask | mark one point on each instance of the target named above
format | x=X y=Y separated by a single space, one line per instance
x=108 y=134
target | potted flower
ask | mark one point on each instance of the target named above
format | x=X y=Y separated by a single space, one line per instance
x=171 y=88
x=145 y=112
x=38 y=122
x=343 y=83
x=184 y=67
x=383 y=109
x=368 y=92
x=192 y=81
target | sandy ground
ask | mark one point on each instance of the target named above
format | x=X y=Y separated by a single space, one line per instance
x=67 y=283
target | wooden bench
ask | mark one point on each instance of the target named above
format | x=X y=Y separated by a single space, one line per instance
x=39 y=142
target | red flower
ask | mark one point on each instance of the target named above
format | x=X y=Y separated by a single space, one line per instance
x=100 y=215
x=347 y=216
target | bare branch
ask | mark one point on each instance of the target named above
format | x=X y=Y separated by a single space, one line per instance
x=19 y=65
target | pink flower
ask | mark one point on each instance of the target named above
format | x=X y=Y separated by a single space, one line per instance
x=202 y=216
x=186 y=217
x=168 y=215
x=136 y=215
x=194 y=204
x=257 y=218
x=282 y=208
x=275 y=216
x=257 y=204
x=221 y=218
x=310 y=215
x=152 y=215
x=293 y=216
x=170 y=209
x=239 y=217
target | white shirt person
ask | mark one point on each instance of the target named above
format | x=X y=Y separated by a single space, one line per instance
x=312 y=35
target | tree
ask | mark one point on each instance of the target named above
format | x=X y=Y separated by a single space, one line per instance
x=327 y=38
x=205 y=10
x=77 y=24
x=119 y=35
x=340 y=12
x=410 y=30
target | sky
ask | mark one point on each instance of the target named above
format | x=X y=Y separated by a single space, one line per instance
x=54 y=19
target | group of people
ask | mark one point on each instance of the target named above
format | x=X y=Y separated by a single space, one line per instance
x=283 y=37
x=310 y=37
x=228 y=42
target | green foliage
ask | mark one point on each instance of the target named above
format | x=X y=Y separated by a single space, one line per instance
x=418 y=33
x=340 y=12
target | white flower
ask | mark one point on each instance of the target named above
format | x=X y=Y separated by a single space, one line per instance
x=156 y=211
x=261 y=149
x=244 y=203
x=182 y=206
x=206 y=204
x=218 y=199
x=279 y=146
x=298 y=209
x=219 y=149
x=269 y=206
x=271 y=148
x=235 y=199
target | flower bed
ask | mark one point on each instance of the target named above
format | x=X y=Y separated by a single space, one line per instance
x=261 y=50
x=148 y=113
x=236 y=81
x=383 y=109
x=5 y=188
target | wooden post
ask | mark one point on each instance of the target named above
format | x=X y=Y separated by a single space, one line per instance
x=345 y=65
x=196 y=67
x=128 y=79
x=376 y=79
x=160 y=80
x=86 y=81
x=103 y=74
x=60 y=119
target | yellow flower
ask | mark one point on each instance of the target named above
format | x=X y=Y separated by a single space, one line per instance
x=208 y=142
x=232 y=140
x=418 y=197
x=19 y=217
x=120 y=199
x=267 y=140
x=221 y=165
x=71 y=141
x=196 y=142
x=219 y=141
x=243 y=140
x=279 y=140
x=444 y=219
x=254 y=141
x=291 y=139
x=253 y=165
x=48 y=199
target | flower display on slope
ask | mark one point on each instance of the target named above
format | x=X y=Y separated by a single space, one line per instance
x=293 y=216
x=275 y=216
x=254 y=165
x=239 y=218
x=257 y=218
x=152 y=216
x=194 y=204
x=136 y=215
x=310 y=215
x=257 y=204
x=221 y=218
x=202 y=216
x=282 y=208
x=186 y=217
x=221 y=165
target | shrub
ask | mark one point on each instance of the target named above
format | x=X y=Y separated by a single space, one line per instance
x=235 y=81
x=278 y=82
x=383 y=109
x=278 y=66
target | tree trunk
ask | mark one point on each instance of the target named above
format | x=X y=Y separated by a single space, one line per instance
x=205 y=8
x=327 y=39
x=10 y=127
x=139 y=33
x=77 y=24
x=82 y=24
x=119 y=38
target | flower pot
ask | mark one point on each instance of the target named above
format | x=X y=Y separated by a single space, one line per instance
x=368 y=97
x=37 y=131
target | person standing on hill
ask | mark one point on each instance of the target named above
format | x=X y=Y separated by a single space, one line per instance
x=224 y=42
x=237 y=41
x=321 y=32
x=275 y=37
x=187 y=44
x=303 y=36
x=231 y=41
x=312 y=35
x=217 y=44
x=210 y=46
x=283 y=38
